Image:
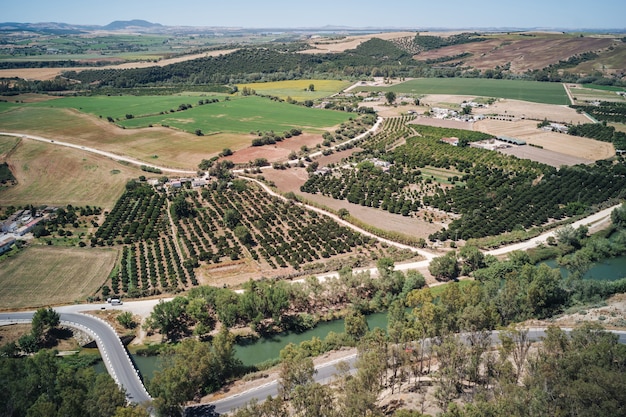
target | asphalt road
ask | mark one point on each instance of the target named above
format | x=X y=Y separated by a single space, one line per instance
x=113 y=353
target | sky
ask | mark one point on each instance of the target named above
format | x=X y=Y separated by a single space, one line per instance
x=414 y=14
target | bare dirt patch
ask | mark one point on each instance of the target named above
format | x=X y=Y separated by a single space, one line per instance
x=544 y=156
x=447 y=123
x=278 y=152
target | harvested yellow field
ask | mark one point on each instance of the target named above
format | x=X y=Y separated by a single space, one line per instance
x=298 y=89
x=557 y=142
x=56 y=175
x=52 y=275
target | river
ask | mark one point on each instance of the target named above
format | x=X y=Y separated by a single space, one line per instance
x=610 y=269
x=266 y=349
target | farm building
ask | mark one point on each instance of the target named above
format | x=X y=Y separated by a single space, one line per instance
x=451 y=141
x=5 y=243
x=490 y=145
x=198 y=182
x=28 y=226
x=556 y=127
x=511 y=140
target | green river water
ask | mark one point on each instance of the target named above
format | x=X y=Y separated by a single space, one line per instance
x=269 y=348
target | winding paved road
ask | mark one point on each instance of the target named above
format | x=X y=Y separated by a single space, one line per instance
x=114 y=355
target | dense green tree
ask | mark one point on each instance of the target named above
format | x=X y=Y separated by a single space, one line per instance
x=243 y=234
x=181 y=208
x=44 y=320
x=356 y=324
x=390 y=96
x=169 y=318
x=445 y=268
x=472 y=259
x=314 y=400
x=296 y=369
x=126 y=320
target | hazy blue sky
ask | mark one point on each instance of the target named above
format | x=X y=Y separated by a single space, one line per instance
x=316 y=13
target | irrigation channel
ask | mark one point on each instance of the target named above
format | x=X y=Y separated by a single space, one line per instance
x=266 y=349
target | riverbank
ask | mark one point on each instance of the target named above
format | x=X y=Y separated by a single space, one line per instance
x=260 y=378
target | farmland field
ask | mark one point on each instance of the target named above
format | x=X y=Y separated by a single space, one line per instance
x=64 y=120
x=297 y=89
x=534 y=91
x=242 y=115
x=586 y=94
x=118 y=106
x=54 y=175
x=42 y=276
x=232 y=114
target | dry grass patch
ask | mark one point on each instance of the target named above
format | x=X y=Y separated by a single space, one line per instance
x=45 y=276
x=56 y=175
x=173 y=149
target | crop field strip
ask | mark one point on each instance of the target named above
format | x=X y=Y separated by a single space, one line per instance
x=232 y=114
x=533 y=91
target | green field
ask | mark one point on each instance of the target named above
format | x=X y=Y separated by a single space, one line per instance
x=118 y=107
x=297 y=89
x=604 y=87
x=534 y=91
x=239 y=115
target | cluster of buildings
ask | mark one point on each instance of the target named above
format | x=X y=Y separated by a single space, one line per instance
x=556 y=127
x=179 y=182
x=501 y=142
x=20 y=223
x=442 y=113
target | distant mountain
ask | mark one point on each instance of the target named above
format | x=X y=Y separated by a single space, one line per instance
x=131 y=24
x=46 y=27
x=66 y=28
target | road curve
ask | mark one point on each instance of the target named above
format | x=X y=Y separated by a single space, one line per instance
x=114 y=355
x=325 y=373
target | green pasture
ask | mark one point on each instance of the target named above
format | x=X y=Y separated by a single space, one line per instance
x=534 y=91
x=4 y=106
x=244 y=115
x=298 y=89
x=604 y=87
x=118 y=107
x=235 y=115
